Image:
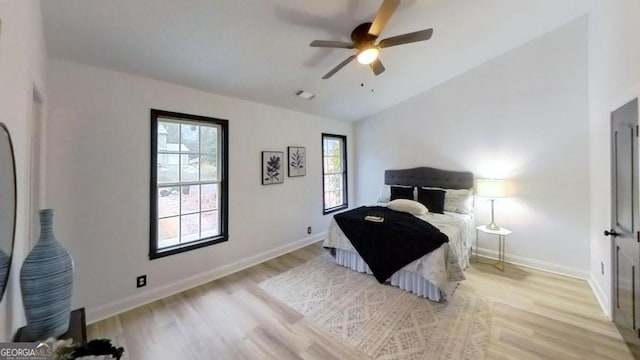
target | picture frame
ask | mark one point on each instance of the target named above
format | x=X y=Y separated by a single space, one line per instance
x=272 y=167
x=297 y=156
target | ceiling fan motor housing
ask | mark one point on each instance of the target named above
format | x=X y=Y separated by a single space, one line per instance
x=361 y=37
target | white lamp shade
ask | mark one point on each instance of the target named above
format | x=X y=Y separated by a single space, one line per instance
x=491 y=188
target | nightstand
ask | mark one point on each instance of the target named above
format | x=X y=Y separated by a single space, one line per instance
x=77 y=329
x=502 y=236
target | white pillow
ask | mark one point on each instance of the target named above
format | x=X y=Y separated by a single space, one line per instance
x=457 y=200
x=408 y=206
x=385 y=194
x=460 y=201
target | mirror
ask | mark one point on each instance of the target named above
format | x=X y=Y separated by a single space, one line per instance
x=7 y=205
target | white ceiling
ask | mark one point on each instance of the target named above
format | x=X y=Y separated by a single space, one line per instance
x=259 y=49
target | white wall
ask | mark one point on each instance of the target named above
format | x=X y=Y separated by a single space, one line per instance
x=22 y=68
x=98 y=183
x=520 y=116
x=614 y=79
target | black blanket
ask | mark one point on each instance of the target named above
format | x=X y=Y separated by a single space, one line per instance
x=389 y=245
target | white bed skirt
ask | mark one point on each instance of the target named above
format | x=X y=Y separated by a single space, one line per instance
x=402 y=279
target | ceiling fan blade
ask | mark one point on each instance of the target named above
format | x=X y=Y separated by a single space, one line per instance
x=340 y=66
x=332 y=44
x=387 y=9
x=406 y=38
x=377 y=67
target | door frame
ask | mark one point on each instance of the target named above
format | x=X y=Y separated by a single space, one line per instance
x=619 y=101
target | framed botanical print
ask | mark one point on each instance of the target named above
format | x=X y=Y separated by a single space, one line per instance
x=297 y=161
x=272 y=167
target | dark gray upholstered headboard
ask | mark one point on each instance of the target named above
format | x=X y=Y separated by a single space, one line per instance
x=432 y=177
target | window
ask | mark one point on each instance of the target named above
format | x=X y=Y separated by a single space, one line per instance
x=334 y=172
x=189 y=182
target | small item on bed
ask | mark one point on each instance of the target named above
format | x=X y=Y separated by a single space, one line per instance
x=433 y=199
x=373 y=218
x=408 y=206
x=401 y=192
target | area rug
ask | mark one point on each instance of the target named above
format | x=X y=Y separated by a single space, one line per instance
x=382 y=321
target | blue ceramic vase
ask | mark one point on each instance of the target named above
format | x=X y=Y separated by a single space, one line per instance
x=46 y=281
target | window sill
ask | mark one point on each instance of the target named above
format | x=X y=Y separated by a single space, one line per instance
x=334 y=209
x=187 y=247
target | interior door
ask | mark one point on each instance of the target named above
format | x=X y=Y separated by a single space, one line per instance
x=625 y=229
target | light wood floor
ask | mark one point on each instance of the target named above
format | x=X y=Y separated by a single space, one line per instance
x=537 y=315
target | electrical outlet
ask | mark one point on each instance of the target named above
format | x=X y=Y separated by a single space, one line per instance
x=602 y=267
x=309 y=230
x=141 y=281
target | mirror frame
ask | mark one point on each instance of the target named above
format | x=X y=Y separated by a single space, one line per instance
x=4 y=128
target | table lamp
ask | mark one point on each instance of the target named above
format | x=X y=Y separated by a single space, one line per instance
x=492 y=189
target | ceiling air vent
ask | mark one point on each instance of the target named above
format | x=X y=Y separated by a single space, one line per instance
x=305 y=95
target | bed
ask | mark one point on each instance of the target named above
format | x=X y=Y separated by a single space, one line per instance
x=436 y=274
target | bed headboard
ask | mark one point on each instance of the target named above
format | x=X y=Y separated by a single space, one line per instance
x=432 y=177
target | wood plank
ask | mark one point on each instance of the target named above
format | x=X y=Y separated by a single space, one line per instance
x=537 y=315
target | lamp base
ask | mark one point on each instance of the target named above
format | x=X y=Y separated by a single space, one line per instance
x=493 y=226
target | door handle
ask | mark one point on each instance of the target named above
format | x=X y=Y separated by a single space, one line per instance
x=610 y=233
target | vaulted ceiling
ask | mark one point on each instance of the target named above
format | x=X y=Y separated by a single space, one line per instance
x=259 y=49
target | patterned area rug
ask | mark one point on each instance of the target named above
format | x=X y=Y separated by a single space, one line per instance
x=382 y=321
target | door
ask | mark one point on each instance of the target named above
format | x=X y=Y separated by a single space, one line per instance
x=625 y=229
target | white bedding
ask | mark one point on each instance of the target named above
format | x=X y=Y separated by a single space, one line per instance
x=441 y=267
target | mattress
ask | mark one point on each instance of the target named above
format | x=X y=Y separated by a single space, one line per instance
x=434 y=275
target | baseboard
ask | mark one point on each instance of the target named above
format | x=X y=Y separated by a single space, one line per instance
x=537 y=264
x=120 y=306
x=603 y=300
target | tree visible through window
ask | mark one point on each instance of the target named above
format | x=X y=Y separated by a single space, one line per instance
x=334 y=172
x=189 y=182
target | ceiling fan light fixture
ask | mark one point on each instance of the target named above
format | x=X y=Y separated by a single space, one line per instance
x=368 y=55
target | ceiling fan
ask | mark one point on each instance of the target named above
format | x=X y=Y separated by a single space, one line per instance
x=364 y=37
